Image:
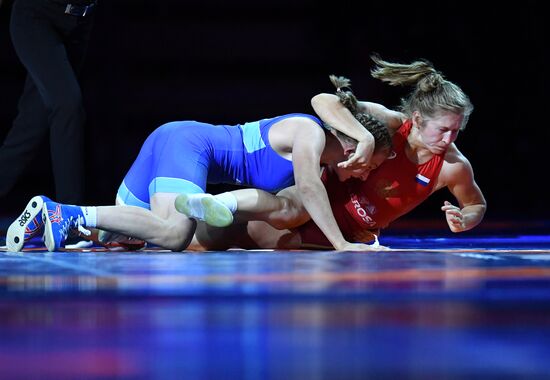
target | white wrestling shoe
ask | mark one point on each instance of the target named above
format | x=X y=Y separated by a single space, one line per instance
x=28 y=225
x=204 y=207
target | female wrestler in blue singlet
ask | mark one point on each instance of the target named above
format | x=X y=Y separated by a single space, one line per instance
x=182 y=157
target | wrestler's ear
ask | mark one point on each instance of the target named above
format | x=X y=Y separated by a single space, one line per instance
x=349 y=150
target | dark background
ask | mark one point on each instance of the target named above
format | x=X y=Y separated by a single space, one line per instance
x=150 y=62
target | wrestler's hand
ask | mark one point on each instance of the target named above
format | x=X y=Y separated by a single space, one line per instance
x=455 y=218
x=365 y=236
x=362 y=247
x=360 y=158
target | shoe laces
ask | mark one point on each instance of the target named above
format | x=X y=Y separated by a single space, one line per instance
x=81 y=228
x=74 y=223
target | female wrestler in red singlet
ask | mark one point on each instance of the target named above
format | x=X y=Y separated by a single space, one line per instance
x=390 y=191
x=424 y=159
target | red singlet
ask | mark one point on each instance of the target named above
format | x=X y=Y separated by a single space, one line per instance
x=390 y=191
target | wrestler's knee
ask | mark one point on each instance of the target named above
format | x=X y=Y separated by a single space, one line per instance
x=178 y=236
x=219 y=239
x=264 y=236
x=290 y=215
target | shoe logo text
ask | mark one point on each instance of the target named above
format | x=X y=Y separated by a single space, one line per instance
x=24 y=218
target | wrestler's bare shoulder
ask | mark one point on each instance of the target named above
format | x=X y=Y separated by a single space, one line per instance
x=454 y=156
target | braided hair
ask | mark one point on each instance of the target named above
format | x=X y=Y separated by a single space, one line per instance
x=378 y=130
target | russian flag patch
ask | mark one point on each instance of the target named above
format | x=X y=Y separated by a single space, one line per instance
x=422 y=180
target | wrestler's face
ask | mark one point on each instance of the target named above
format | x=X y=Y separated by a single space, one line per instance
x=378 y=157
x=438 y=132
x=345 y=174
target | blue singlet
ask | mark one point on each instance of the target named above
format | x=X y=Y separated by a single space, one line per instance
x=183 y=156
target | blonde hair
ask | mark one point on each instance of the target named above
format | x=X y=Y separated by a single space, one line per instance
x=432 y=92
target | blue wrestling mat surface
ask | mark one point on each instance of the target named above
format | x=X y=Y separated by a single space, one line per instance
x=432 y=308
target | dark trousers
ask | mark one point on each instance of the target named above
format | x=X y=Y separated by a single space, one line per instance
x=51 y=46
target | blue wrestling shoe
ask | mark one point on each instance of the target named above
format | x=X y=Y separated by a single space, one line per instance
x=59 y=221
x=28 y=225
x=204 y=207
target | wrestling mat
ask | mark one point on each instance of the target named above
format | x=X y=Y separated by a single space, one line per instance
x=435 y=306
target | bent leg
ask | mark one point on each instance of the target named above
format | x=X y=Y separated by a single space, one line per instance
x=284 y=210
x=267 y=237
x=251 y=235
x=208 y=238
x=162 y=225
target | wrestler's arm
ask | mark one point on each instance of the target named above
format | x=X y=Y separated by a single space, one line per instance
x=329 y=108
x=308 y=144
x=472 y=204
x=390 y=118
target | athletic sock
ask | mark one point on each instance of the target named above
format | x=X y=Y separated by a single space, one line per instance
x=229 y=200
x=90 y=216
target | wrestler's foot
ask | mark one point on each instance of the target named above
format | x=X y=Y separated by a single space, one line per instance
x=28 y=225
x=114 y=241
x=59 y=221
x=204 y=207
